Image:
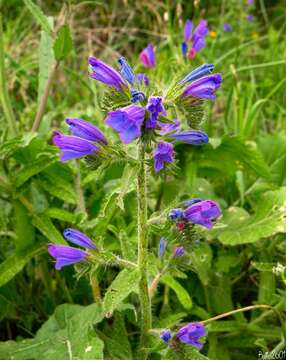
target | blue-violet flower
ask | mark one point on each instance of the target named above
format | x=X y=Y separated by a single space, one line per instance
x=205 y=87
x=65 y=255
x=190 y=334
x=164 y=153
x=147 y=56
x=203 y=213
x=86 y=130
x=76 y=237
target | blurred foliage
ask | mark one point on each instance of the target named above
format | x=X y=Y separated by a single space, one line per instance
x=243 y=168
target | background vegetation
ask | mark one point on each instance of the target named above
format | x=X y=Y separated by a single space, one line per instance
x=243 y=168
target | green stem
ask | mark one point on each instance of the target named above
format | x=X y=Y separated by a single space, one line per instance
x=4 y=94
x=145 y=304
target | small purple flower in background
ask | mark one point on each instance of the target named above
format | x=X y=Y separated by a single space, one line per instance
x=166 y=335
x=126 y=71
x=250 y=18
x=168 y=127
x=198 y=44
x=203 y=213
x=86 y=130
x=205 y=87
x=250 y=2
x=176 y=214
x=201 y=30
x=127 y=121
x=143 y=79
x=188 y=28
x=191 y=334
x=192 y=137
x=78 y=238
x=227 y=27
x=199 y=72
x=184 y=48
x=73 y=147
x=162 y=246
x=106 y=74
x=65 y=255
x=154 y=107
x=147 y=56
x=179 y=251
x=164 y=153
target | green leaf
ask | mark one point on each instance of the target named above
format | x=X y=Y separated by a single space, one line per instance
x=124 y=283
x=47 y=228
x=67 y=334
x=46 y=59
x=180 y=291
x=15 y=263
x=40 y=17
x=63 y=43
x=268 y=220
x=201 y=257
x=184 y=352
x=34 y=168
x=62 y=190
x=127 y=184
x=25 y=232
x=61 y=214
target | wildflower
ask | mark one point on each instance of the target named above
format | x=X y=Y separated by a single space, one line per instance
x=205 y=87
x=147 y=56
x=196 y=37
x=191 y=334
x=254 y=35
x=278 y=269
x=65 y=255
x=201 y=30
x=199 y=72
x=106 y=74
x=190 y=202
x=227 y=27
x=179 y=251
x=213 y=34
x=181 y=225
x=143 y=79
x=250 y=18
x=250 y=2
x=78 y=238
x=73 y=147
x=86 y=130
x=193 y=137
x=164 y=153
x=127 y=121
x=166 y=335
x=137 y=96
x=154 y=107
x=184 y=48
x=188 y=28
x=162 y=246
x=126 y=71
x=176 y=214
x=203 y=213
x=169 y=127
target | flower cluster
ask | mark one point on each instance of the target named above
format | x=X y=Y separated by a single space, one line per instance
x=189 y=334
x=196 y=211
x=67 y=255
x=196 y=38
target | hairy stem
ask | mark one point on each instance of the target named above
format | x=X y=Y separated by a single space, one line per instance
x=4 y=94
x=145 y=304
x=44 y=99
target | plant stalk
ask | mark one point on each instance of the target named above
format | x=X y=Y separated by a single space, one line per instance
x=4 y=94
x=145 y=303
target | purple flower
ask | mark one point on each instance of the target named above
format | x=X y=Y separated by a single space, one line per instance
x=203 y=213
x=154 y=107
x=179 y=251
x=126 y=71
x=205 y=87
x=86 y=130
x=78 y=238
x=162 y=246
x=201 y=30
x=166 y=335
x=137 y=96
x=250 y=18
x=192 y=137
x=167 y=127
x=143 y=79
x=127 y=121
x=184 y=48
x=176 y=214
x=250 y=2
x=65 y=255
x=199 y=72
x=227 y=27
x=147 y=56
x=106 y=74
x=164 y=153
x=198 y=44
x=73 y=147
x=188 y=28
x=191 y=334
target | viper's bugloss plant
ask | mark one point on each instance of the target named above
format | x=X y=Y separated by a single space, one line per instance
x=153 y=120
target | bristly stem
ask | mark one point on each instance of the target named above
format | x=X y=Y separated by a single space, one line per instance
x=4 y=94
x=145 y=304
